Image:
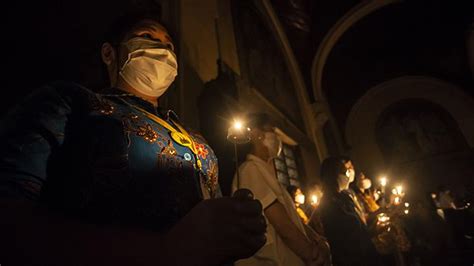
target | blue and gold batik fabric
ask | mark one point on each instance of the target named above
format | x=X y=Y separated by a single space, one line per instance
x=109 y=157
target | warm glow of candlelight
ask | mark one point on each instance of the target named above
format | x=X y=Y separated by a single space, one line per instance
x=238 y=132
x=314 y=200
x=397 y=200
x=399 y=189
x=383 y=181
x=299 y=198
x=237 y=124
x=383 y=219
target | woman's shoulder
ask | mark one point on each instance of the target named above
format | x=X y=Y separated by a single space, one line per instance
x=334 y=205
x=63 y=94
x=67 y=88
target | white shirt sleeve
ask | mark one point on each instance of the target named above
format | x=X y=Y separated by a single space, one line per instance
x=252 y=178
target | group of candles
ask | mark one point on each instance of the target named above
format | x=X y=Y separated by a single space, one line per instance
x=397 y=191
x=396 y=199
x=239 y=134
x=314 y=199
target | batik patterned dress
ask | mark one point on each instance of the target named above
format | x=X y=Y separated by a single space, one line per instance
x=106 y=158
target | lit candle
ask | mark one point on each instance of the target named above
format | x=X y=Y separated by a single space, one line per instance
x=237 y=125
x=383 y=182
x=383 y=219
x=238 y=133
x=314 y=200
x=299 y=198
x=399 y=189
x=397 y=200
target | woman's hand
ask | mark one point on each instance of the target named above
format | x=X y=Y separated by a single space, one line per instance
x=219 y=230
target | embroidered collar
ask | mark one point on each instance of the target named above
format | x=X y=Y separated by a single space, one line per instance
x=135 y=100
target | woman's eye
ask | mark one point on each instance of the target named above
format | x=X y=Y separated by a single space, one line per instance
x=146 y=36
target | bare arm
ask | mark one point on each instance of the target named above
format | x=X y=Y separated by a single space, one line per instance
x=293 y=238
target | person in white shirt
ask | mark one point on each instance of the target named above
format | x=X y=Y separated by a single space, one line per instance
x=289 y=241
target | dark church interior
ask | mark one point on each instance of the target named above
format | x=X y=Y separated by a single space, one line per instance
x=348 y=125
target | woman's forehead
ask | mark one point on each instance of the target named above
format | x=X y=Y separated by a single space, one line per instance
x=348 y=164
x=151 y=25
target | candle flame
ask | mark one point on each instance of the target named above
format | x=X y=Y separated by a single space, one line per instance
x=397 y=200
x=314 y=199
x=399 y=189
x=237 y=124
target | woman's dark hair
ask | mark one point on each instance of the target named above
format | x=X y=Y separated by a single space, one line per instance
x=330 y=169
x=127 y=22
x=122 y=25
x=345 y=159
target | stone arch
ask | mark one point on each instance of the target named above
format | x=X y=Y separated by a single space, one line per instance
x=354 y=15
x=415 y=129
x=361 y=123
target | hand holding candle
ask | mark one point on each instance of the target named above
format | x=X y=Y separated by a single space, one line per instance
x=238 y=134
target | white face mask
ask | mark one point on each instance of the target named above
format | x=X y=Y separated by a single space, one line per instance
x=273 y=144
x=351 y=174
x=150 y=68
x=343 y=181
x=376 y=196
x=366 y=183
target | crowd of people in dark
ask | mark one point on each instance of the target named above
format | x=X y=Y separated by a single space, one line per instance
x=109 y=178
x=390 y=228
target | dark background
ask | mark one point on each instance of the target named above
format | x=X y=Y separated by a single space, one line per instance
x=43 y=41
